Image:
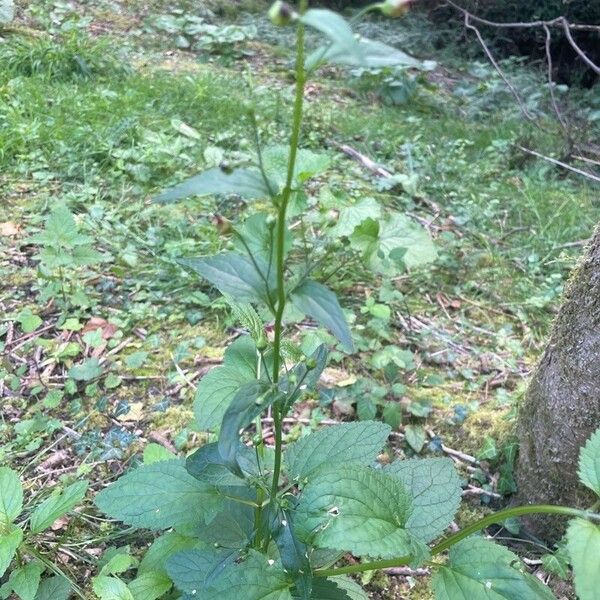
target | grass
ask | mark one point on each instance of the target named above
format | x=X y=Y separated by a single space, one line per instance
x=102 y=123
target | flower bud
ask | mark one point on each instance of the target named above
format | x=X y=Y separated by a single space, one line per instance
x=262 y=343
x=311 y=363
x=281 y=13
x=395 y=8
x=270 y=221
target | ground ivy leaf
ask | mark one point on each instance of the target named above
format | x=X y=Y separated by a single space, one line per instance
x=320 y=303
x=247 y=183
x=56 y=506
x=11 y=496
x=434 y=486
x=478 y=568
x=589 y=463
x=89 y=369
x=357 y=509
x=339 y=444
x=8 y=547
x=159 y=496
x=583 y=544
x=236 y=275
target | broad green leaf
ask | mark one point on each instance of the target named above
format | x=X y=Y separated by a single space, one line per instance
x=589 y=463
x=357 y=509
x=247 y=183
x=26 y=580
x=352 y=216
x=248 y=402
x=481 y=569
x=194 y=570
x=370 y=54
x=154 y=453
x=8 y=547
x=11 y=496
x=434 y=486
x=207 y=465
x=54 y=588
x=232 y=528
x=320 y=303
x=159 y=496
x=415 y=437
x=218 y=387
x=60 y=230
x=149 y=586
x=260 y=240
x=335 y=27
x=162 y=548
x=89 y=369
x=342 y=444
x=308 y=164
x=86 y=255
x=56 y=506
x=583 y=544
x=29 y=322
x=336 y=588
x=236 y=275
x=120 y=561
x=111 y=588
x=256 y=578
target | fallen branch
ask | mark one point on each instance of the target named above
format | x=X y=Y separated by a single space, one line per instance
x=559 y=163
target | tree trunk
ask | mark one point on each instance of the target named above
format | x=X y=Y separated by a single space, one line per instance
x=561 y=409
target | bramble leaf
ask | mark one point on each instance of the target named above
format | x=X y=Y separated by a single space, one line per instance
x=236 y=275
x=357 y=509
x=56 y=506
x=583 y=544
x=247 y=183
x=320 y=303
x=342 y=444
x=589 y=463
x=478 y=568
x=159 y=496
x=434 y=486
x=11 y=496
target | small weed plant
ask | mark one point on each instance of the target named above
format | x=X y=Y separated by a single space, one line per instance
x=242 y=520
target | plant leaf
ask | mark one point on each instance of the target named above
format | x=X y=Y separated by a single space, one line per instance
x=54 y=588
x=194 y=570
x=434 y=486
x=235 y=275
x=149 y=586
x=56 y=506
x=25 y=581
x=159 y=496
x=336 y=588
x=111 y=588
x=86 y=371
x=352 y=216
x=11 y=496
x=155 y=558
x=317 y=301
x=156 y=452
x=8 y=547
x=478 y=569
x=583 y=544
x=308 y=164
x=342 y=444
x=247 y=183
x=232 y=528
x=357 y=509
x=589 y=463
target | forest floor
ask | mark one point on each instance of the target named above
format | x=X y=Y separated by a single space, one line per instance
x=104 y=104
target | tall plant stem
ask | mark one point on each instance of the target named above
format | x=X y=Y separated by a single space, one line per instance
x=280 y=238
x=462 y=534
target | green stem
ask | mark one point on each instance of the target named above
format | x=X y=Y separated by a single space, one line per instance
x=280 y=238
x=457 y=537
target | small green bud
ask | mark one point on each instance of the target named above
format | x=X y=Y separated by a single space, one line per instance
x=262 y=343
x=311 y=363
x=293 y=379
x=281 y=13
x=270 y=221
x=257 y=440
x=395 y=8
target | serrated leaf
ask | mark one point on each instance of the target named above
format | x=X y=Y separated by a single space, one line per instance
x=149 y=586
x=583 y=544
x=320 y=303
x=162 y=548
x=247 y=403
x=478 y=569
x=111 y=588
x=8 y=547
x=11 y=496
x=194 y=570
x=207 y=465
x=154 y=453
x=236 y=275
x=247 y=183
x=89 y=369
x=434 y=486
x=260 y=240
x=232 y=528
x=335 y=27
x=26 y=580
x=589 y=463
x=86 y=255
x=336 y=588
x=352 y=216
x=56 y=506
x=342 y=444
x=54 y=588
x=159 y=496
x=246 y=315
x=357 y=509
x=308 y=164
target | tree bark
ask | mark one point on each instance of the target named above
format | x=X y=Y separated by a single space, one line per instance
x=561 y=409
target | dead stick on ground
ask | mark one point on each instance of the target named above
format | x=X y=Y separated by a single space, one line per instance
x=560 y=164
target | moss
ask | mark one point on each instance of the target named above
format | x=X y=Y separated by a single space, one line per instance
x=174 y=418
